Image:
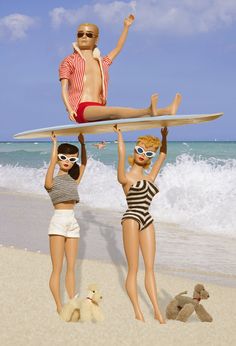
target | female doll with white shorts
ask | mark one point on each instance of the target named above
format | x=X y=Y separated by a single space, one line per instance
x=64 y=229
x=137 y=223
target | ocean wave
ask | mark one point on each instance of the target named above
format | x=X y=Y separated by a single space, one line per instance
x=199 y=194
x=195 y=193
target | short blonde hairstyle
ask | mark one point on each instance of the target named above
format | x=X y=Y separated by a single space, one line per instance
x=148 y=141
x=91 y=24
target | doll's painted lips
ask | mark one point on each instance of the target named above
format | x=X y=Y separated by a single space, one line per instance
x=65 y=165
x=141 y=158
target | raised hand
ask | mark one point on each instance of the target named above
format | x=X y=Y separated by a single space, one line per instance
x=115 y=129
x=129 y=20
x=81 y=138
x=54 y=148
x=164 y=131
x=53 y=137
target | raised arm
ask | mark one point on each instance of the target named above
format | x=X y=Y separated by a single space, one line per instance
x=50 y=172
x=121 y=176
x=83 y=157
x=127 y=23
x=163 y=152
x=64 y=94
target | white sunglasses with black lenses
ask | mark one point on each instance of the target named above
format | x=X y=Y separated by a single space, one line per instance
x=63 y=157
x=139 y=150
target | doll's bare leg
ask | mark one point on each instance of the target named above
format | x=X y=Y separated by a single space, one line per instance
x=148 y=248
x=171 y=109
x=93 y=113
x=131 y=247
x=57 y=254
x=71 y=250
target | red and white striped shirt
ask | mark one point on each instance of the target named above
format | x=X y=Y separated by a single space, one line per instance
x=73 y=69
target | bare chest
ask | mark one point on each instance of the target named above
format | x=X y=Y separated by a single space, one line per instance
x=92 y=69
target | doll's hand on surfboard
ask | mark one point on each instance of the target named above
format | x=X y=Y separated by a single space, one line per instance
x=81 y=138
x=164 y=131
x=72 y=114
x=115 y=128
x=53 y=137
x=128 y=21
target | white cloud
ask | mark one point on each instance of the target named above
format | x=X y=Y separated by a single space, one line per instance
x=183 y=17
x=15 y=26
x=110 y=12
x=114 y=12
x=60 y=15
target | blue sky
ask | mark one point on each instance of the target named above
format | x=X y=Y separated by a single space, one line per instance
x=187 y=46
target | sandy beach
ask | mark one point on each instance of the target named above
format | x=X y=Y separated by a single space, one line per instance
x=183 y=259
x=29 y=316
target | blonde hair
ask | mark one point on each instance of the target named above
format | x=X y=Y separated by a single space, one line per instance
x=91 y=24
x=148 y=141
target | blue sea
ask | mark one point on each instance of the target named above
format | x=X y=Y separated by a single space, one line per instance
x=197 y=183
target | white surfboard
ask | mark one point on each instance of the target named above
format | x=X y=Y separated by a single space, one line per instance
x=131 y=124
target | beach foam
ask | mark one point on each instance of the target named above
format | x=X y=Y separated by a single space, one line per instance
x=199 y=194
x=196 y=193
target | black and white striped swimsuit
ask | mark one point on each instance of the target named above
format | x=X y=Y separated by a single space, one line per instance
x=139 y=198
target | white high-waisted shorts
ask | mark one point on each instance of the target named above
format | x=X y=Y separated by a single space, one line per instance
x=64 y=223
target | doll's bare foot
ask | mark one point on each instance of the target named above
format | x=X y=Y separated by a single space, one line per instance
x=59 y=309
x=173 y=107
x=154 y=100
x=159 y=317
x=139 y=316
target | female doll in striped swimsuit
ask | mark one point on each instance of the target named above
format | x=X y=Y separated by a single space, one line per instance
x=64 y=229
x=137 y=223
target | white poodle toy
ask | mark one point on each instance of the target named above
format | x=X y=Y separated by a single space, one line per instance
x=87 y=309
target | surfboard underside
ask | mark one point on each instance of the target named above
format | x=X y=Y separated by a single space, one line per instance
x=131 y=124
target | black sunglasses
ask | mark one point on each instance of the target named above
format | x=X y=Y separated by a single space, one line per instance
x=88 y=34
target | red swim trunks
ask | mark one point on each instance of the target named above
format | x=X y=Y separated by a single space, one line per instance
x=80 y=111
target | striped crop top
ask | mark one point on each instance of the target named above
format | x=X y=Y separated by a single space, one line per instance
x=64 y=189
